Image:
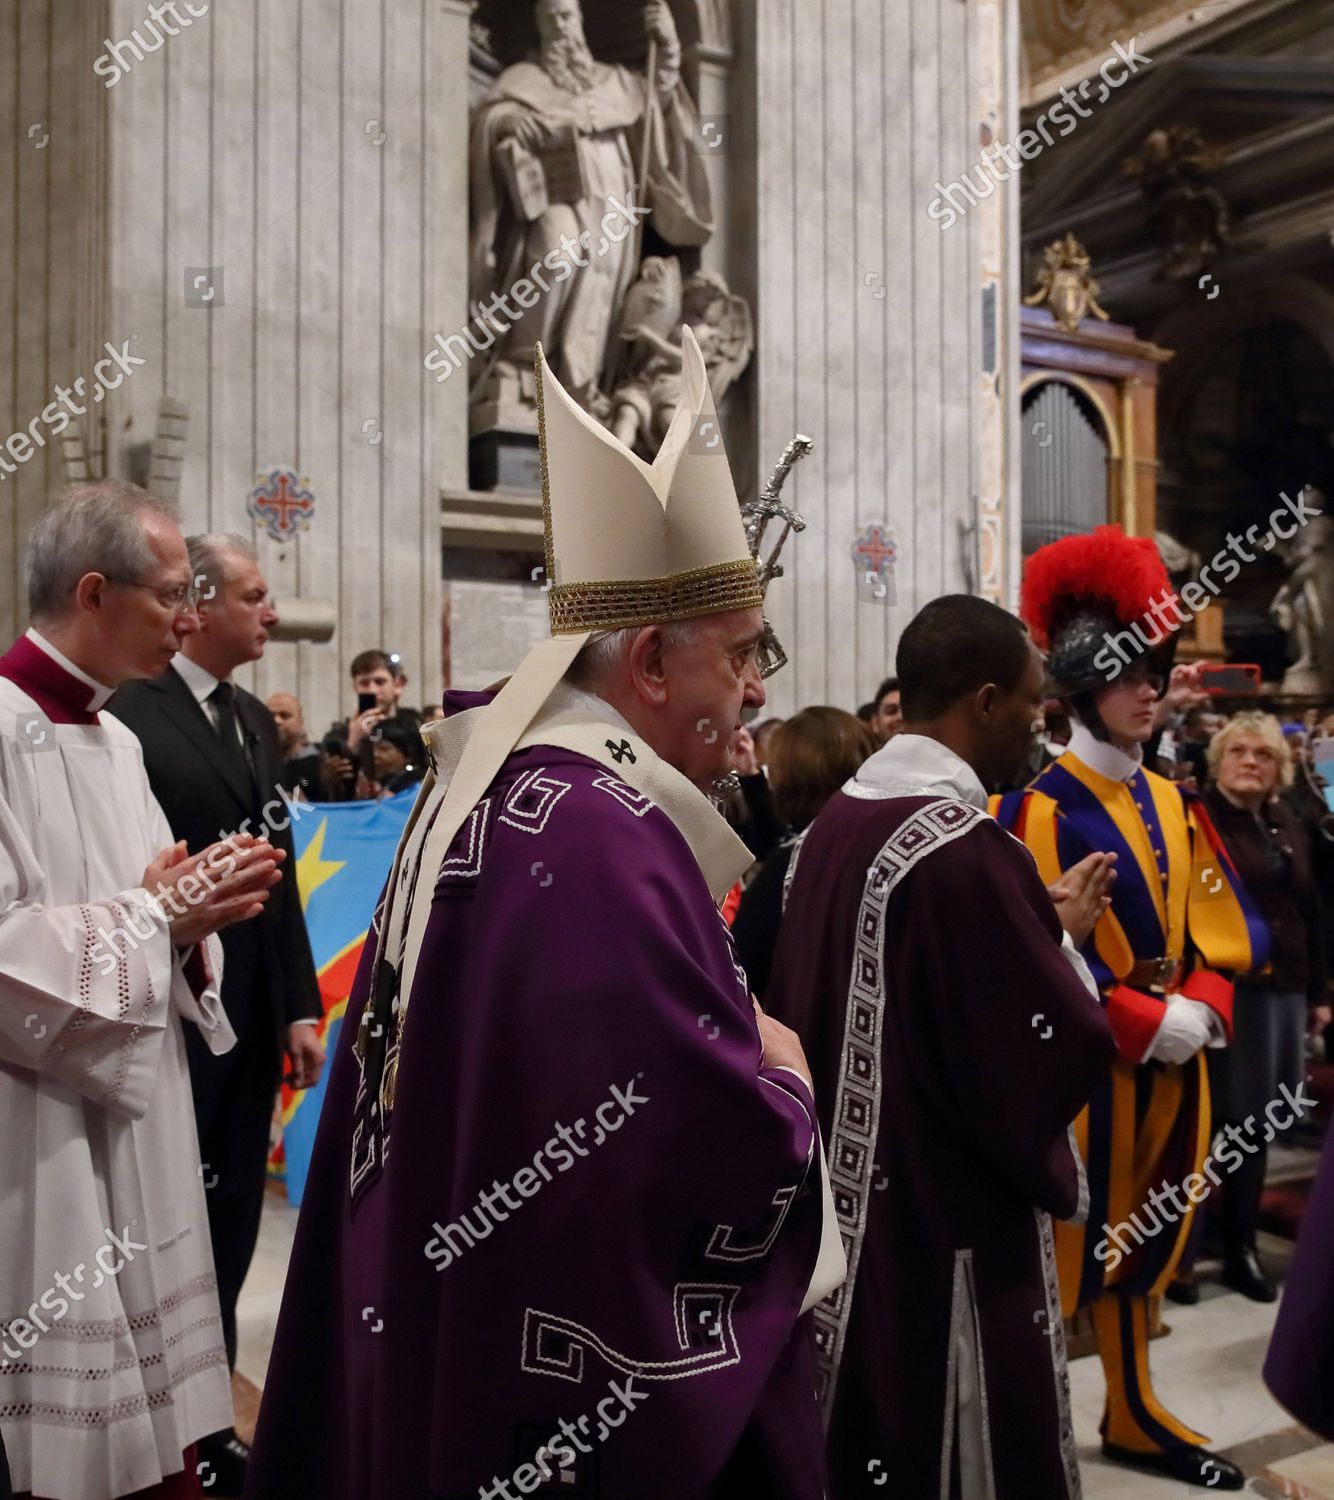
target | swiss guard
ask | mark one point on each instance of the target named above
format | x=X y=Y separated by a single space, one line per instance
x=1180 y=924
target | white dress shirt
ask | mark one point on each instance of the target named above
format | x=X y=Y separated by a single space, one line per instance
x=201 y=683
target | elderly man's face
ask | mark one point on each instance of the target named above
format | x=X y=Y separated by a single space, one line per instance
x=144 y=620
x=559 y=20
x=708 y=681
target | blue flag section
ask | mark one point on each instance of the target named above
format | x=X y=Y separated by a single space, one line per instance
x=343 y=854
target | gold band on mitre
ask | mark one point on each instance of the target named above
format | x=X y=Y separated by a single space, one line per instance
x=617 y=605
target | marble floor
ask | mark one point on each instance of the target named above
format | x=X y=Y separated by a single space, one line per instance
x=257 y=1309
x=1207 y=1368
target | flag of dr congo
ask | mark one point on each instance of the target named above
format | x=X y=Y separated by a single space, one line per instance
x=343 y=854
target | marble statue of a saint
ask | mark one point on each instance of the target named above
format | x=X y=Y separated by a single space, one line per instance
x=558 y=142
x=1304 y=607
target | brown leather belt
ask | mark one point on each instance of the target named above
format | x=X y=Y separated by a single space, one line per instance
x=1155 y=974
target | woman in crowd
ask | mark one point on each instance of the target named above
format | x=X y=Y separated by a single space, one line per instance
x=399 y=758
x=1250 y=764
x=749 y=808
x=810 y=756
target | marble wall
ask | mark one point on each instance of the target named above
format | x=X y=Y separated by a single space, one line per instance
x=871 y=318
x=301 y=158
x=53 y=291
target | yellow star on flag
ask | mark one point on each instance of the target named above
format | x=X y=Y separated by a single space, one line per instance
x=312 y=869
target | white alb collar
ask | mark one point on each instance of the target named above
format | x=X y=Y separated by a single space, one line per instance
x=1101 y=756
x=565 y=697
x=915 y=764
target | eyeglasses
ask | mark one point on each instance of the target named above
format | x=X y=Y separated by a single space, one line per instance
x=1138 y=675
x=766 y=655
x=182 y=596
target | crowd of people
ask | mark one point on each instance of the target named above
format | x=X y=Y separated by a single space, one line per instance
x=375 y=752
x=1010 y=959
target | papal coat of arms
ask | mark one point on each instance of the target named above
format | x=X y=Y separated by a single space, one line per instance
x=1066 y=284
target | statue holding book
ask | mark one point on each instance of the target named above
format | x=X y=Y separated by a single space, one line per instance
x=569 y=158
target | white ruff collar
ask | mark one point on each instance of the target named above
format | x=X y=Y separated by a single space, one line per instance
x=1102 y=757
x=915 y=765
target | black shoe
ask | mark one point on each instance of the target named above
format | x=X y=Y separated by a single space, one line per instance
x=1187 y=1293
x=1243 y=1273
x=222 y=1464
x=1195 y=1466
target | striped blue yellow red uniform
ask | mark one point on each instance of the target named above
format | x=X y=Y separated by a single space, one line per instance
x=1177 y=898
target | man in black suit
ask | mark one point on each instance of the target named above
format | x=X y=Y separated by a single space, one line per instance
x=215 y=765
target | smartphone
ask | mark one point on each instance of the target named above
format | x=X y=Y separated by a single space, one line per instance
x=1228 y=680
x=366 y=749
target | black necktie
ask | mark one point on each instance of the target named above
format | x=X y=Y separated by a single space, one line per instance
x=223 y=699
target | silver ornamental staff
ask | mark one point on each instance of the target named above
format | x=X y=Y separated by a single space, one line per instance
x=758 y=513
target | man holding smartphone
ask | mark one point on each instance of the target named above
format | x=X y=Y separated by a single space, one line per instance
x=378 y=680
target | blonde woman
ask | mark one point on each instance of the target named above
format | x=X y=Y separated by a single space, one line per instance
x=1250 y=765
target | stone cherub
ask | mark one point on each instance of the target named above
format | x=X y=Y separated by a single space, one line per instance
x=645 y=399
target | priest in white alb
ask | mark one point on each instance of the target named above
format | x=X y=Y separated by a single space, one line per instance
x=111 y=1350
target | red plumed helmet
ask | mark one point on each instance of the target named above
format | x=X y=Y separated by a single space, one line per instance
x=1104 y=572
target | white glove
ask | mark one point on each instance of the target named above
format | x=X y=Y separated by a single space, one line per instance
x=1187 y=1025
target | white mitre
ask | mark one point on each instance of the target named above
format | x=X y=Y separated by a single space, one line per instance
x=632 y=543
x=627 y=543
